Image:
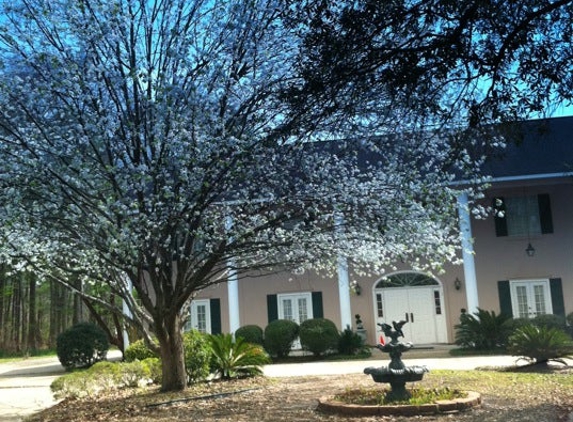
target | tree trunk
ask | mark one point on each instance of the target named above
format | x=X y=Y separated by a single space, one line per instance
x=174 y=377
x=17 y=314
x=32 y=321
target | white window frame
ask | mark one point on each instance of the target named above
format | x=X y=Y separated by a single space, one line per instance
x=193 y=319
x=295 y=300
x=295 y=297
x=530 y=285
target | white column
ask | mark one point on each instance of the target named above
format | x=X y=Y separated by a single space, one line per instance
x=126 y=311
x=343 y=281
x=232 y=288
x=344 y=293
x=470 y=283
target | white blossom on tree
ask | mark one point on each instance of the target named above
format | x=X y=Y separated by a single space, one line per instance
x=132 y=130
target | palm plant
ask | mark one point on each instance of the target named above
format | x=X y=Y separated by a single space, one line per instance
x=236 y=358
x=484 y=330
x=540 y=344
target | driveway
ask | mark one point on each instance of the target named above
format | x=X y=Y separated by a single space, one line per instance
x=25 y=387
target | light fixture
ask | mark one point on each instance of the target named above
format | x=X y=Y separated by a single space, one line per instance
x=530 y=250
x=457 y=283
x=356 y=288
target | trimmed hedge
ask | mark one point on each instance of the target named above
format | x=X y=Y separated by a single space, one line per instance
x=319 y=335
x=251 y=334
x=279 y=337
x=81 y=346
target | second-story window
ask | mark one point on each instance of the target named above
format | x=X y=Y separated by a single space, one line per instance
x=523 y=215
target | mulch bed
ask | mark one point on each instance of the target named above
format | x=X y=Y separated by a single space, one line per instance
x=282 y=400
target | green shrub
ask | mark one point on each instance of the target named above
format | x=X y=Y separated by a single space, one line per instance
x=234 y=359
x=318 y=335
x=81 y=346
x=550 y=321
x=482 y=331
x=279 y=337
x=511 y=326
x=251 y=333
x=103 y=377
x=138 y=350
x=198 y=355
x=153 y=367
x=540 y=344
x=349 y=342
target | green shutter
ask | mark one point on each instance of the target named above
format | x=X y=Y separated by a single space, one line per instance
x=557 y=296
x=317 y=309
x=545 y=213
x=215 y=305
x=500 y=221
x=504 y=293
x=272 y=308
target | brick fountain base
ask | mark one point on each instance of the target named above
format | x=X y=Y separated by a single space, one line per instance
x=327 y=404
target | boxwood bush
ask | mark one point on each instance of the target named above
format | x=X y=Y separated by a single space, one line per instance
x=251 y=334
x=318 y=335
x=81 y=346
x=279 y=337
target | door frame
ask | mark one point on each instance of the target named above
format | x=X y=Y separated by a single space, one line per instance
x=529 y=283
x=193 y=314
x=440 y=320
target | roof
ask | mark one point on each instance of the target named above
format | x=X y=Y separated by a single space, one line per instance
x=535 y=148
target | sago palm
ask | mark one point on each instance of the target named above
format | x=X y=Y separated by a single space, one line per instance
x=236 y=358
x=540 y=344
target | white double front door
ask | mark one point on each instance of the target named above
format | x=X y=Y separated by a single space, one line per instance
x=422 y=307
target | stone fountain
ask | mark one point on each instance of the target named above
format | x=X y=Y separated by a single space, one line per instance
x=396 y=373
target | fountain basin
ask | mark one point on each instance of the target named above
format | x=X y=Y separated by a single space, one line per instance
x=396 y=376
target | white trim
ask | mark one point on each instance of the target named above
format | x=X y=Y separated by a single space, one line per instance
x=489 y=179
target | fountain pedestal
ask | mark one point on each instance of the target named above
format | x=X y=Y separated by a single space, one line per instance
x=396 y=373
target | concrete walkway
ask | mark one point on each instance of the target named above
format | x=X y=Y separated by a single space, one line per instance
x=25 y=384
x=25 y=387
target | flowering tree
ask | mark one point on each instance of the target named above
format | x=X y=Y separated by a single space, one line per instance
x=158 y=144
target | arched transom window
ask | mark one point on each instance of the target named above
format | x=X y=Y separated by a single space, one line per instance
x=406 y=279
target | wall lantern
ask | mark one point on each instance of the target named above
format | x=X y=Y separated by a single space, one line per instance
x=356 y=288
x=457 y=283
x=530 y=250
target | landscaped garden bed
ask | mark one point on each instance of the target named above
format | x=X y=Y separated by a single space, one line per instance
x=506 y=396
